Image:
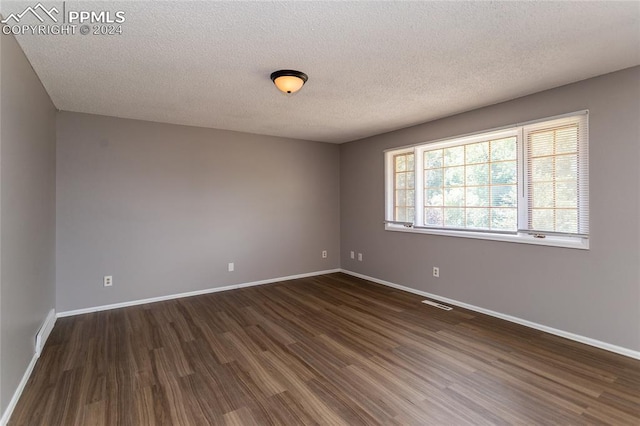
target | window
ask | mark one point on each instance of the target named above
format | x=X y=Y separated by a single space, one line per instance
x=527 y=183
x=404 y=187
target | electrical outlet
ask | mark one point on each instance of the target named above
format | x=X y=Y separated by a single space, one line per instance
x=107 y=281
x=359 y=257
x=353 y=254
x=436 y=272
x=231 y=267
x=324 y=254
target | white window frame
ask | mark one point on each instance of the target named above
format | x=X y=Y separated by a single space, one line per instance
x=520 y=236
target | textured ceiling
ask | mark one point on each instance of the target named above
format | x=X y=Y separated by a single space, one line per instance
x=373 y=66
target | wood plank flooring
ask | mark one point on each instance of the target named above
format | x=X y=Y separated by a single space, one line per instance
x=326 y=350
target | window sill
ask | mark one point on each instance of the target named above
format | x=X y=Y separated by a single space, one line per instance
x=574 y=243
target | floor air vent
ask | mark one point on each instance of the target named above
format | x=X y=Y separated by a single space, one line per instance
x=437 y=305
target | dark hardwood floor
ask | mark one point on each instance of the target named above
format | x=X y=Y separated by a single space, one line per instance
x=325 y=350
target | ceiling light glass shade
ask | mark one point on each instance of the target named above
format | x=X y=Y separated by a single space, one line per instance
x=289 y=81
x=288 y=84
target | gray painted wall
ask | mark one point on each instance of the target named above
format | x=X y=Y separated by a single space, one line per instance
x=593 y=293
x=163 y=208
x=27 y=223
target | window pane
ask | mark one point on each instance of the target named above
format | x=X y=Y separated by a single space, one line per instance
x=504 y=196
x=566 y=167
x=454 y=176
x=478 y=174
x=477 y=196
x=410 y=198
x=411 y=213
x=542 y=195
x=504 y=149
x=404 y=182
x=504 y=219
x=477 y=153
x=454 y=217
x=433 y=197
x=566 y=194
x=410 y=162
x=433 y=216
x=433 y=178
x=410 y=178
x=542 y=169
x=478 y=218
x=454 y=197
x=567 y=220
x=541 y=143
x=433 y=159
x=567 y=140
x=504 y=172
x=543 y=219
x=454 y=156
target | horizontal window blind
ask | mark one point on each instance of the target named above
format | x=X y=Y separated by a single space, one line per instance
x=557 y=187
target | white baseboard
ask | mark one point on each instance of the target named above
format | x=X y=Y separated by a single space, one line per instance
x=16 y=395
x=45 y=330
x=41 y=339
x=571 y=336
x=190 y=293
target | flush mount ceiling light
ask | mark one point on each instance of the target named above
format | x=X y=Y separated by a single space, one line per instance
x=289 y=81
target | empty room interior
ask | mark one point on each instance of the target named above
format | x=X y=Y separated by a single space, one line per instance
x=324 y=213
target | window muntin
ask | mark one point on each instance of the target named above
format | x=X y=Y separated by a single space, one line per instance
x=404 y=187
x=474 y=185
x=530 y=181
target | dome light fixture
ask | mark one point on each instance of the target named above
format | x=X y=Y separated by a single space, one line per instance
x=289 y=81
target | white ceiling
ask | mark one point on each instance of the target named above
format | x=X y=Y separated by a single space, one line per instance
x=373 y=66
